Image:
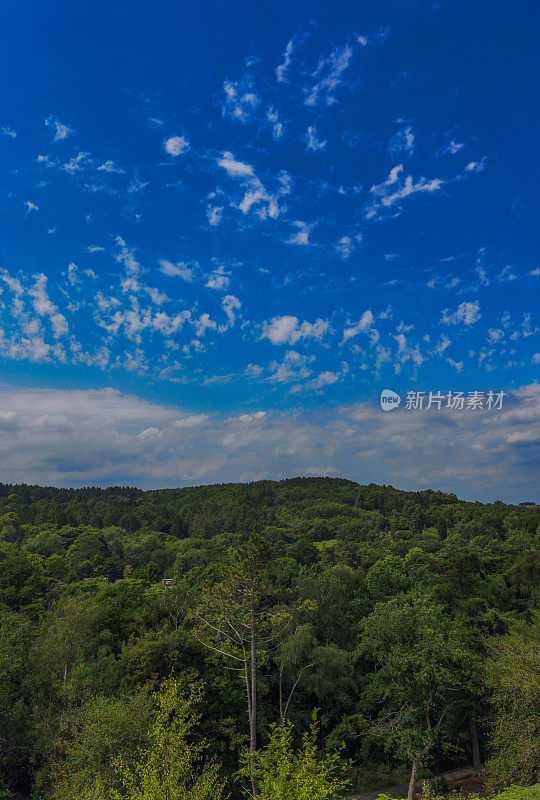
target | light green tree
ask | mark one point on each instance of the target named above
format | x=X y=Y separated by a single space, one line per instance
x=175 y=765
x=283 y=773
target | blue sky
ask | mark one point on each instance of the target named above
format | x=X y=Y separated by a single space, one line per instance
x=263 y=211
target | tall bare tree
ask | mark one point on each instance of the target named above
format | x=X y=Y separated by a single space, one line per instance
x=239 y=617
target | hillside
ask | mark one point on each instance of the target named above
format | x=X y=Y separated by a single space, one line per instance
x=394 y=613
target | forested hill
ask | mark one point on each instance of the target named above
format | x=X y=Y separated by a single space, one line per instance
x=409 y=619
x=314 y=505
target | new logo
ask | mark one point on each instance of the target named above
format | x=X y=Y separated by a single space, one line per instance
x=389 y=400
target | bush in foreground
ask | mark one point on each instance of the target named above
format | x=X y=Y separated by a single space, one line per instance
x=281 y=773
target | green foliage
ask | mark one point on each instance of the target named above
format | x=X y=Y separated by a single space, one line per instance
x=10 y=528
x=283 y=773
x=422 y=667
x=15 y=704
x=369 y=603
x=519 y=793
x=92 y=736
x=174 y=766
x=511 y=793
x=88 y=556
x=514 y=673
x=23 y=586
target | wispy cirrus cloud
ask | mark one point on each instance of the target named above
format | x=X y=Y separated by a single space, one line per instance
x=330 y=72
x=403 y=141
x=313 y=142
x=278 y=127
x=281 y=69
x=396 y=188
x=256 y=197
x=241 y=99
x=329 y=76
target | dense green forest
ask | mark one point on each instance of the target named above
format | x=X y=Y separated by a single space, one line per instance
x=406 y=621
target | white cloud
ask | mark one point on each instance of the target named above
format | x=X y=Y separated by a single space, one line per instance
x=406 y=353
x=346 y=245
x=219 y=279
x=476 y=166
x=506 y=275
x=203 y=324
x=480 y=268
x=110 y=166
x=364 y=324
x=234 y=168
x=13 y=284
x=74 y=163
x=191 y=421
x=61 y=131
x=179 y=270
x=301 y=237
x=373 y=38
x=495 y=335
x=42 y=304
x=240 y=99
x=124 y=255
x=443 y=343
x=329 y=74
x=77 y=437
x=402 y=142
x=95 y=248
x=31 y=206
x=59 y=325
x=452 y=147
x=150 y=433
x=467 y=313
x=231 y=305
x=281 y=70
x=256 y=416
x=276 y=125
x=7 y=131
x=458 y=365
x=253 y=371
x=214 y=215
x=397 y=187
x=73 y=274
x=136 y=185
x=265 y=204
x=176 y=145
x=286 y=330
x=312 y=142
x=293 y=367
x=326 y=378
